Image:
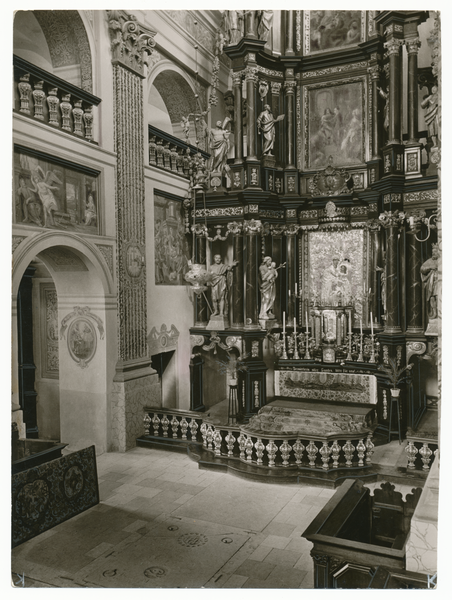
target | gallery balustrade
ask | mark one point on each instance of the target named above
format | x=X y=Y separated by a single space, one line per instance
x=46 y=98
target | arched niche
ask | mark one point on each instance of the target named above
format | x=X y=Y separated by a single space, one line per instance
x=171 y=97
x=56 y=41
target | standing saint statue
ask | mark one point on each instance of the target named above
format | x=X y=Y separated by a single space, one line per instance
x=429 y=275
x=219 y=146
x=265 y=23
x=219 y=284
x=267 y=278
x=233 y=24
x=430 y=105
x=266 y=124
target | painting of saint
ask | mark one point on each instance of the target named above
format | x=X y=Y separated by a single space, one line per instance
x=82 y=341
x=171 y=247
x=336 y=125
x=332 y=29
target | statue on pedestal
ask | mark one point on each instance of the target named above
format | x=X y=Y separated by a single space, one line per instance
x=219 y=291
x=267 y=277
x=430 y=105
x=219 y=146
x=233 y=24
x=266 y=124
x=429 y=275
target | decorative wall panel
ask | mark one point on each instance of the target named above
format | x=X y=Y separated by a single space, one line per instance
x=172 y=252
x=49 y=332
x=45 y=496
x=333 y=387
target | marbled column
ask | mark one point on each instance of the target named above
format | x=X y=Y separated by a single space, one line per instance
x=391 y=222
x=237 y=281
x=251 y=80
x=412 y=46
x=374 y=72
x=289 y=86
x=238 y=126
x=393 y=46
x=276 y=109
x=289 y=33
x=253 y=244
x=374 y=228
x=276 y=254
x=414 y=283
x=201 y=303
x=291 y=269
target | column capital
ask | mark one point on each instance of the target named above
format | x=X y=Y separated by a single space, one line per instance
x=276 y=87
x=374 y=72
x=391 y=219
x=373 y=225
x=413 y=45
x=131 y=42
x=250 y=74
x=237 y=78
x=290 y=86
x=235 y=227
x=415 y=218
x=200 y=230
x=393 y=46
x=292 y=229
x=252 y=227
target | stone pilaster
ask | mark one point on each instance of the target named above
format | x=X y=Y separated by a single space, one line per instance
x=131 y=43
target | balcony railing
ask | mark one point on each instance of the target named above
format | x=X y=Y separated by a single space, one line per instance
x=51 y=100
x=170 y=153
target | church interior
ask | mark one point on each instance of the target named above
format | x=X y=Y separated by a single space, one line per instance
x=226 y=298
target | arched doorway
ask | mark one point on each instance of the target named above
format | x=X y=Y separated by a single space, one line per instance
x=82 y=308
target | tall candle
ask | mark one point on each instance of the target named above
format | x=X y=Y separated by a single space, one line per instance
x=295 y=326
x=284 y=322
x=296 y=289
x=350 y=322
x=307 y=322
x=371 y=324
x=361 y=325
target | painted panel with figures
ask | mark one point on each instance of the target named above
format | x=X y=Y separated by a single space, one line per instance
x=52 y=195
x=327 y=30
x=172 y=252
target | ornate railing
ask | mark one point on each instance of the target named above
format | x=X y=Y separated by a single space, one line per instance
x=312 y=453
x=170 y=153
x=53 y=101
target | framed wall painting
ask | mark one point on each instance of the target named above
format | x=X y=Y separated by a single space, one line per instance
x=54 y=194
x=334 y=123
x=172 y=251
x=328 y=30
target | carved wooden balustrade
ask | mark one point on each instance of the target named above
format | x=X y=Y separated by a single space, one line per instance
x=170 y=153
x=48 y=99
x=311 y=454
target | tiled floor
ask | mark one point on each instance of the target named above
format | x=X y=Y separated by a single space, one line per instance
x=162 y=522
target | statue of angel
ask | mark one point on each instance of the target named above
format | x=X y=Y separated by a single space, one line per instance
x=41 y=185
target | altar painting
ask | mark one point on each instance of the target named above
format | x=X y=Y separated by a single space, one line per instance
x=334 y=124
x=54 y=196
x=331 y=29
x=339 y=257
x=172 y=252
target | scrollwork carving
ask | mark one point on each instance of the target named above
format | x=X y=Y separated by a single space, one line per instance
x=131 y=42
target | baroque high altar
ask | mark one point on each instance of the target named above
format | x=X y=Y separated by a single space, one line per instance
x=315 y=236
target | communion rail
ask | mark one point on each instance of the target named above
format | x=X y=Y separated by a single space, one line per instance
x=234 y=442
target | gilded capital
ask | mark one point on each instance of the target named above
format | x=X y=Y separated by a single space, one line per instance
x=131 y=42
x=391 y=219
x=253 y=226
x=250 y=74
x=393 y=46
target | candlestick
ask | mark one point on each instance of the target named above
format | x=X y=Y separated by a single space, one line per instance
x=306 y=321
x=372 y=352
x=371 y=324
x=361 y=357
x=284 y=353
x=361 y=326
x=295 y=325
x=284 y=322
